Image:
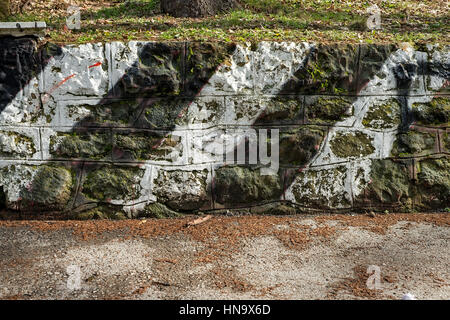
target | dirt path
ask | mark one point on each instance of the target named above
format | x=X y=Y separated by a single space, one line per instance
x=302 y=257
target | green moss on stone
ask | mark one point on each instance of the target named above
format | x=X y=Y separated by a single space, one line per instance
x=235 y=185
x=352 y=144
x=50 y=188
x=87 y=145
x=383 y=116
x=436 y=112
x=433 y=183
x=108 y=183
x=298 y=147
x=326 y=110
x=414 y=143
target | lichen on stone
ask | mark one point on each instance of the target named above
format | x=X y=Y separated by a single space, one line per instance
x=234 y=185
x=182 y=190
x=325 y=110
x=414 y=143
x=50 y=188
x=352 y=144
x=113 y=183
x=435 y=112
x=298 y=147
x=91 y=145
x=383 y=116
x=13 y=144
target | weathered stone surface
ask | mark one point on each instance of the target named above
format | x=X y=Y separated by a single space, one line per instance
x=159 y=211
x=93 y=145
x=264 y=111
x=298 y=147
x=147 y=145
x=433 y=184
x=321 y=188
x=19 y=69
x=389 y=186
x=163 y=113
x=95 y=113
x=400 y=73
x=182 y=190
x=437 y=68
x=80 y=70
x=203 y=113
x=243 y=185
x=434 y=113
x=275 y=64
x=327 y=110
x=177 y=110
x=372 y=59
x=234 y=76
x=281 y=110
x=329 y=69
x=414 y=143
x=352 y=144
x=113 y=183
x=36 y=188
x=383 y=115
x=16 y=145
x=202 y=61
x=147 y=69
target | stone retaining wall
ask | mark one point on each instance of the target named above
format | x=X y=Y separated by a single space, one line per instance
x=151 y=129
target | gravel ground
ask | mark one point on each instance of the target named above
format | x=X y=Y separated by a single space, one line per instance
x=299 y=257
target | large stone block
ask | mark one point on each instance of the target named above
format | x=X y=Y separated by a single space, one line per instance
x=437 y=69
x=202 y=61
x=108 y=183
x=19 y=143
x=327 y=110
x=147 y=69
x=299 y=146
x=99 y=113
x=147 y=145
x=321 y=188
x=79 y=71
x=238 y=185
x=20 y=66
x=383 y=115
x=329 y=69
x=37 y=188
x=183 y=190
x=276 y=110
x=81 y=144
x=389 y=187
x=415 y=143
x=433 y=113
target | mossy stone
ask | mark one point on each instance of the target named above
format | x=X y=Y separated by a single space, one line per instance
x=109 y=183
x=383 y=116
x=352 y=144
x=436 y=112
x=50 y=189
x=234 y=185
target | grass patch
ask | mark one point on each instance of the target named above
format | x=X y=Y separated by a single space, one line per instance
x=276 y=20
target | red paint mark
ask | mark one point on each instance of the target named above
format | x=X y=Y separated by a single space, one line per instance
x=95 y=65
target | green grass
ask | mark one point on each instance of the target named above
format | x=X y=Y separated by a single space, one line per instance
x=293 y=20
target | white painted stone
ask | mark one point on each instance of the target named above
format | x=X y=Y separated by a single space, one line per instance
x=79 y=63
